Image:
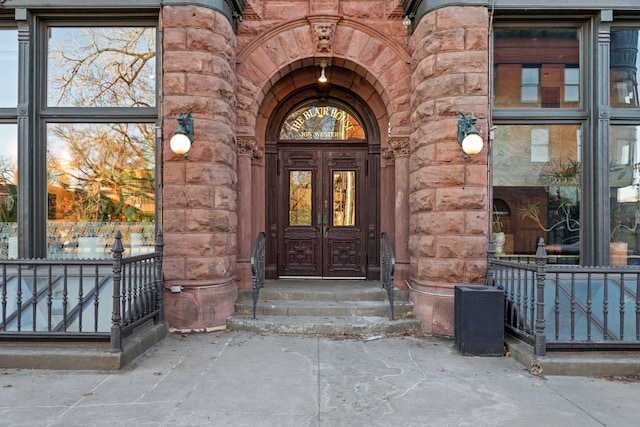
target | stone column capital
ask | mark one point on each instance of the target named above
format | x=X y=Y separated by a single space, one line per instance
x=248 y=146
x=399 y=145
x=389 y=157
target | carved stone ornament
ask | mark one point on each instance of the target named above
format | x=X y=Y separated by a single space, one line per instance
x=400 y=145
x=323 y=34
x=388 y=156
x=246 y=145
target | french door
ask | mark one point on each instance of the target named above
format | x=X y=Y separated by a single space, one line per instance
x=322 y=212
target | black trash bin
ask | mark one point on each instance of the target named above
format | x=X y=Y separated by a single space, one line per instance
x=479 y=320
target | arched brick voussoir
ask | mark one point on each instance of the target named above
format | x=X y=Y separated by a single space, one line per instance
x=378 y=58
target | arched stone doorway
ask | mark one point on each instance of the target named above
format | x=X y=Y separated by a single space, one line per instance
x=322 y=158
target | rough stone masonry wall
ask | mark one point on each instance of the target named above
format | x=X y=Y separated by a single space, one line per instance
x=199 y=193
x=447 y=194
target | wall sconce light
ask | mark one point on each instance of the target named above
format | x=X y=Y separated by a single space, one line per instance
x=323 y=77
x=181 y=142
x=468 y=136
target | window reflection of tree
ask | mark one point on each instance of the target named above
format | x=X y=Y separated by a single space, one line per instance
x=102 y=172
x=300 y=197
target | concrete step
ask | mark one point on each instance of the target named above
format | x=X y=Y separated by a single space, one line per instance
x=324 y=307
x=314 y=325
x=331 y=293
x=267 y=307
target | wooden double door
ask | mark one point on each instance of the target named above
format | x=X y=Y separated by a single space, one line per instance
x=322 y=211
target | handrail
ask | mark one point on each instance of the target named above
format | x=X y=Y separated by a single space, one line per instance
x=388 y=267
x=257 y=268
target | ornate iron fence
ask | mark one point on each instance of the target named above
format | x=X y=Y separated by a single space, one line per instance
x=69 y=298
x=257 y=269
x=567 y=307
x=388 y=267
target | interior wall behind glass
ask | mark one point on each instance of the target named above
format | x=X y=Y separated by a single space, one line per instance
x=100 y=178
x=536 y=178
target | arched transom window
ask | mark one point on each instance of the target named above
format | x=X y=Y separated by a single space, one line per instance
x=319 y=122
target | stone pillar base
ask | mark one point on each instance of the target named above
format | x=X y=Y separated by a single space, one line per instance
x=434 y=308
x=199 y=306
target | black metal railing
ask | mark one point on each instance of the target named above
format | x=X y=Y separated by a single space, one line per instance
x=388 y=267
x=568 y=307
x=69 y=299
x=257 y=269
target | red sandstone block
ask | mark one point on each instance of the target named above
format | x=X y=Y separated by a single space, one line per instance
x=461 y=199
x=287 y=45
x=174 y=196
x=363 y=9
x=422 y=201
x=275 y=51
x=174 y=220
x=422 y=246
x=173 y=172
x=183 y=61
x=476 y=39
x=342 y=40
x=462 y=62
x=225 y=198
x=476 y=84
x=463 y=247
x=305 y=41
x=357 y=44
x=476 y=222
x=450 y=270
x=199 y=39
x=174 y=83
x=462 y=17
x=251 y=71
x=174 y=39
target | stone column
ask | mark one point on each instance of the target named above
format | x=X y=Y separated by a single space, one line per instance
x=246 y=147
x=199 y=217
x=448 y=194
x=400 y=146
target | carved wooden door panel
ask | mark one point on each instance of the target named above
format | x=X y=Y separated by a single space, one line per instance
x=321 y=215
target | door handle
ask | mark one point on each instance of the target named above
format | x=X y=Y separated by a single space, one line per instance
x=325 y=226
x=320 y=225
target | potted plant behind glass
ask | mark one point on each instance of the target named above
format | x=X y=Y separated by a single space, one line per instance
x=498 y=233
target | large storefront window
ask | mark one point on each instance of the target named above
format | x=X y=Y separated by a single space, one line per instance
x=537 y=164
x=8 y=144
x=536 y=179
x=100 y=176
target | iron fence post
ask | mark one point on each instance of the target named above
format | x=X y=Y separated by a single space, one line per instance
x=491 y=256
x=159 y=278
x=116 y=317
x=540 y=342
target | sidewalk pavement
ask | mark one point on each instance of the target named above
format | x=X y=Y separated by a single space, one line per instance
x=247 y=379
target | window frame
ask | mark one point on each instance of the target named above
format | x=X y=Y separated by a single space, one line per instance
x=581 y=115
x=33 y=215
